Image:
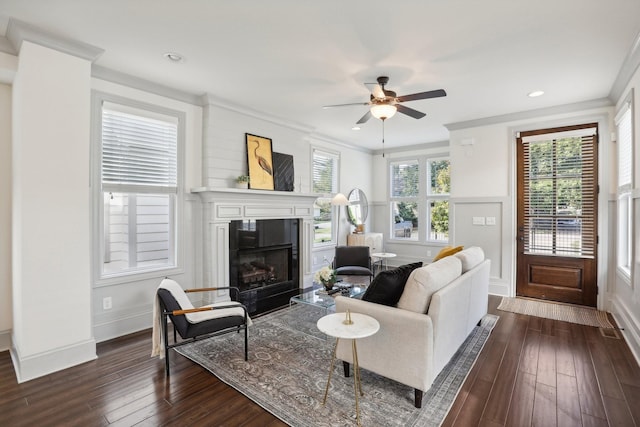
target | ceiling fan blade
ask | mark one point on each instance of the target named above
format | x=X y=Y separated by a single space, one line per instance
x=423 y=95
x=410 y=111
x=364 y=118
x=376 y=90
x=345 y=105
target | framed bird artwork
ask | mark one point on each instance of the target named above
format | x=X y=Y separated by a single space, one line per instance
x=260 y=161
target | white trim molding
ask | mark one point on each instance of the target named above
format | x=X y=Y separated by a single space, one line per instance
x=5 y=340
x=45 y=363
x=629 y=322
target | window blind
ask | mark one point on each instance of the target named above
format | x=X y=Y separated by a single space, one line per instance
x=405 y=179
x=559 y=206
x=138 y=152
x=325 y=172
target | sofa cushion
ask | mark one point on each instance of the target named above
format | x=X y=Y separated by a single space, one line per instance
x=425 y=281
x=447 y=251
x=470 y=257
x=388 y=285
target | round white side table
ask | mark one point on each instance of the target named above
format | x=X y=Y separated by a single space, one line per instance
x=348 y=326
x=384 y=256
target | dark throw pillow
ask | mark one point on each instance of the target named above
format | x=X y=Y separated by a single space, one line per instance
x=386 y=288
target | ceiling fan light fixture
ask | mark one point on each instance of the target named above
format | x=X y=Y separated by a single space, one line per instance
x=383 y=111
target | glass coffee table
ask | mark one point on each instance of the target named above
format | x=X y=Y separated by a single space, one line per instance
x=320 y=298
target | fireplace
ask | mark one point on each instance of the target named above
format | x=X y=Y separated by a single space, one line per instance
x=264 y=261
x=271 y=231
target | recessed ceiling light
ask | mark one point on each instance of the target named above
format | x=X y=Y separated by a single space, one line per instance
x=355 y=128
x=174 y=57
x=535 y=93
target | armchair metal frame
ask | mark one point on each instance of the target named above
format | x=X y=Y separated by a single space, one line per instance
x=223 y=329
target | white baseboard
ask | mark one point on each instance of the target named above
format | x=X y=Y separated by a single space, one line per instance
x=114 y=328
x=38 y=365
x=502 y=289
x=5 y=340
x=629 y=321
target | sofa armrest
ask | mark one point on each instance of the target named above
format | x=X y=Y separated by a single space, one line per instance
x=401 y=350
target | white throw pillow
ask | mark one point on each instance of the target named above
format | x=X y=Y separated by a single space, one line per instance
x=470 y=257
x=425 y=281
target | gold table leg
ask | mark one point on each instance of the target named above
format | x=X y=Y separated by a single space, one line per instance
x=333 y=359
x=357 y=383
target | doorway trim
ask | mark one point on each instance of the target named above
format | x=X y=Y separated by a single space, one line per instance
x=603 y=120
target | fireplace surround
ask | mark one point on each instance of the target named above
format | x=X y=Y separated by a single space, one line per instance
x=251 y=217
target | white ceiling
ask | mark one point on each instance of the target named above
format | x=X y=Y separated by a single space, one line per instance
x=288 y=58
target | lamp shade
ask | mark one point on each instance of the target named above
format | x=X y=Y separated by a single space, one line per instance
x=383 y=111
x=339 y=200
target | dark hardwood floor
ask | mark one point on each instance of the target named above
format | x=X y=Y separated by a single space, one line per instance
x=532 y=371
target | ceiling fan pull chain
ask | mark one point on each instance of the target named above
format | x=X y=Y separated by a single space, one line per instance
x=382 y=138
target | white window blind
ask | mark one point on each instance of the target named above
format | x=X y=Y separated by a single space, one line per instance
x=138 y=152
x=325 y=172
x=625 y=154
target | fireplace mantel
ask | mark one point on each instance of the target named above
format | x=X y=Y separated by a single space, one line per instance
x=223 y=205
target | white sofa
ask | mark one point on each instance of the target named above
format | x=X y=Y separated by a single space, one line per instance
x=441 y=304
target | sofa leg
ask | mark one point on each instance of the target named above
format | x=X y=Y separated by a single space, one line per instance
x=418 y=398
x=345 y=367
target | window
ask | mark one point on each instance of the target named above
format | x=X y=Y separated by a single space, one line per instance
x=419 y=194
x=325 y=182
x=139 y=189
x=624 y=124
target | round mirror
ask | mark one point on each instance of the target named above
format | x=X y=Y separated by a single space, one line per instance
x=358 y=207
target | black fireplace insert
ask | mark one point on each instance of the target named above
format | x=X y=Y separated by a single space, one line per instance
x=264 y=262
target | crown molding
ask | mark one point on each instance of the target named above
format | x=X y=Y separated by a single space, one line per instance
x=329 y=140
x=19 y=32
x=124 y=79
x=530 y=114
x=208 y=99
x=416 y=147
x=629 y=67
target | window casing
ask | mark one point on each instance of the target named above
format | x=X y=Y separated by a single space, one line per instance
x=419 y=194
x=325 y=181
x=624 y=127
x=139 y=174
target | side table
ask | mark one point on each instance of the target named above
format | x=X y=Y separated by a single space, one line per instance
x=384 y=256
x=348 y=326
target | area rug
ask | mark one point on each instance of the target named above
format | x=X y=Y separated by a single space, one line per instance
x=556 y=311
x=288 y=366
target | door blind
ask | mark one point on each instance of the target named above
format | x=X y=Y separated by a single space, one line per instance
x=560 y=195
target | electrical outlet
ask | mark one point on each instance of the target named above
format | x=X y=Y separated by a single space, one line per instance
x=491 y=220
x=107 y=303
x=428 y=253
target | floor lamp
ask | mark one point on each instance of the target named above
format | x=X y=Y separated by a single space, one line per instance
x=339 y=200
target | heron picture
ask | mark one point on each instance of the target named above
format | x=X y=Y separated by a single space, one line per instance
x=259 y=159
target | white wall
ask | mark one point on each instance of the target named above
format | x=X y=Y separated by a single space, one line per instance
x=5 y=217
x=625 y=292
x=50 y=212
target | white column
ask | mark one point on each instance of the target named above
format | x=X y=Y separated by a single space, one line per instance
x=51 y=212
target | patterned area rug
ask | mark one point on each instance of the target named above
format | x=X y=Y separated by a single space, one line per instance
x=556 y=311
x=288 y=366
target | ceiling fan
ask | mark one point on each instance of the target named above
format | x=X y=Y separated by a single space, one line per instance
x=384 y=103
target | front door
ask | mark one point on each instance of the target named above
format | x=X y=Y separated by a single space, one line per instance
x=557 y=214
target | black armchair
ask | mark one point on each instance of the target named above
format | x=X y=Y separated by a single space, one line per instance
x=193 y=323
x=353 y=261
